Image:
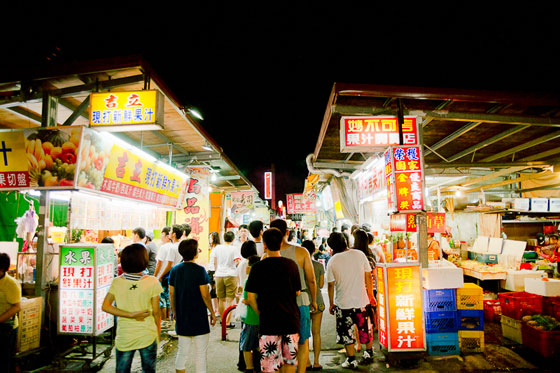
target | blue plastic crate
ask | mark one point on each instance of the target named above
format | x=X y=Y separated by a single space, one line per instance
x=439 y=300
x=471 y=320
x=441 y=322
x=443 y=344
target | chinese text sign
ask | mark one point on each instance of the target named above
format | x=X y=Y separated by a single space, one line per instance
x=375 y=133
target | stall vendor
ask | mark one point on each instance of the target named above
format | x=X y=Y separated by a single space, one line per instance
x=433 y=248
x=10 y=297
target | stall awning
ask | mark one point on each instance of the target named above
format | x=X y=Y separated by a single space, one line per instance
x=60 y=96
x=477 y=135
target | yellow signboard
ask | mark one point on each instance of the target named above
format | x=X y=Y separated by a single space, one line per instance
x=130 y=109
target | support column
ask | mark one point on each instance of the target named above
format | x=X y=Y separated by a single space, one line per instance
x=422 y=224
x=50 y=109
x=40 y=264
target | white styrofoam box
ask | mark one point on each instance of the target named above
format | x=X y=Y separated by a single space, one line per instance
x=521 y=204
x=480 y=245
x=550 y=288
x=539 y=204
x=442 y=275
x=554 y=204
x=495 y=245
x=515 y=280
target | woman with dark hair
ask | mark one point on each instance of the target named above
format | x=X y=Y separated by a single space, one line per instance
x=136 y=303
x=190 y=300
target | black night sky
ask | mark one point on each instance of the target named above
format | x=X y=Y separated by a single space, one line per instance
x=262 y=75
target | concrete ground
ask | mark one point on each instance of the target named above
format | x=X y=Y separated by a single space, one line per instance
x=499 y=355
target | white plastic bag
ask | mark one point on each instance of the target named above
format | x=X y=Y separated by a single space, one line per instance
x=240 y=312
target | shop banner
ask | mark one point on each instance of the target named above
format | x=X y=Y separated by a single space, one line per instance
x=308 y=221
x=242 y=202
x=404 y=307
x=375 y=134
x=268 y=185
x=407 y=222
x=381 y=307
x=86 y=274
x=370 y=182
x=436 y=222
x=196 y=212
x=297 y=204
x=43 y=158
x=131 y=109
x=405 y=170
x=109 y=167
x=388 y=157
x=262 y=214
x=311 y=184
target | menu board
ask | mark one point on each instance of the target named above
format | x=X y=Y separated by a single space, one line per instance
x=86 y=273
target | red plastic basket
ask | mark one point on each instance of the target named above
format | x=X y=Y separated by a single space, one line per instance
x=518 y=304
x=492 y=310
x=544 y=343
x=551 y=307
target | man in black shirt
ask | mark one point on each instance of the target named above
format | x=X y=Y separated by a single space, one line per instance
x=272 y=288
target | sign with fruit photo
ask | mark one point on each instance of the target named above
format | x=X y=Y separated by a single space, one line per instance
x=42 y=158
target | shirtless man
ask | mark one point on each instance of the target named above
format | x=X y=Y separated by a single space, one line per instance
x=307 y=276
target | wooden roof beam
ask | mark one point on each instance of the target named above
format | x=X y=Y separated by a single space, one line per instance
x=510 y=181
x=546 y=154
x=489 y=177
x=495 y=118
x=527 y=145
x=487 y=142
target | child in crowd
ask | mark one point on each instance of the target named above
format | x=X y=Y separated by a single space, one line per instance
x=136 y=303
x=249 y=341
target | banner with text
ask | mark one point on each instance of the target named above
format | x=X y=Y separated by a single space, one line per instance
x=196 y=212
x=375 y=134
x=297 y=204
x=404 y=170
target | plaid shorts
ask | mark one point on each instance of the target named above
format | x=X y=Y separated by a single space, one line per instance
x=277 y=350
x=345 y=321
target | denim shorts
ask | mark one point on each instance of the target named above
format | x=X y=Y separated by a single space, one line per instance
x=148 y=356
x=249 y=340
x=304 y=324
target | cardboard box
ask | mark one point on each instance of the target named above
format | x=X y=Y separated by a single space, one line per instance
x=29 y=331
x=550 y=288
x=539 y=204
x=554 y=204
x=521 y=204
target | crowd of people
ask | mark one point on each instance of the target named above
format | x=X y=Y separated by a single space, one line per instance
x=275 y=280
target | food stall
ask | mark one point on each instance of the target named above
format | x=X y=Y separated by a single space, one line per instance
x=496 y=214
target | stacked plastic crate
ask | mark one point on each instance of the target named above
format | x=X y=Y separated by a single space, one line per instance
x=515 y=305
x=440 y=316
x=470 y=315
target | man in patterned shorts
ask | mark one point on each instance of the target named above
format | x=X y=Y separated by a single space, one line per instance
x=272 y=288
x=349 y=272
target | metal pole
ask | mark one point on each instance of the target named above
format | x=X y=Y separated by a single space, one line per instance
x=40 y=270
x=422 y=224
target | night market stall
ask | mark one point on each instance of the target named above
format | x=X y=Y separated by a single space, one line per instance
x=460 y=190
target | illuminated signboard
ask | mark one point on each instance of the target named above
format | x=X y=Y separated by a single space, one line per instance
x=407 y=222
x=403 y=311
x=86 y=274
x=297 y=204
x=375 y=134
x=132 y=110
x=381 y=307
x=43 y=158
x=109 y=167
x=404 y=168
x=370 y=182
x=268 y=185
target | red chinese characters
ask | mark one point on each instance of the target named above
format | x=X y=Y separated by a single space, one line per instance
x=436 y=223
x=297 y=204
x=133 y=101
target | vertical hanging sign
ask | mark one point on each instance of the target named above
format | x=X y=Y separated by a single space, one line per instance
x=196 y=212
x=268 y=185
x=404 y=169
x=404 y=312
x=388 y=156
x=382 y=306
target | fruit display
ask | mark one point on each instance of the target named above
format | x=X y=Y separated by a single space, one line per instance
x=94 y=158
x=542 y=322
x=51 y=156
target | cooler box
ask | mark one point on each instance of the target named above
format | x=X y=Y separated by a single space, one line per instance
x=550 y=288
x=515 y=280
x=521 y=204
x=442 y=275
x=554 y=204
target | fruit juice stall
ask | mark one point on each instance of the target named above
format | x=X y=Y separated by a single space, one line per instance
x=106 y=187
